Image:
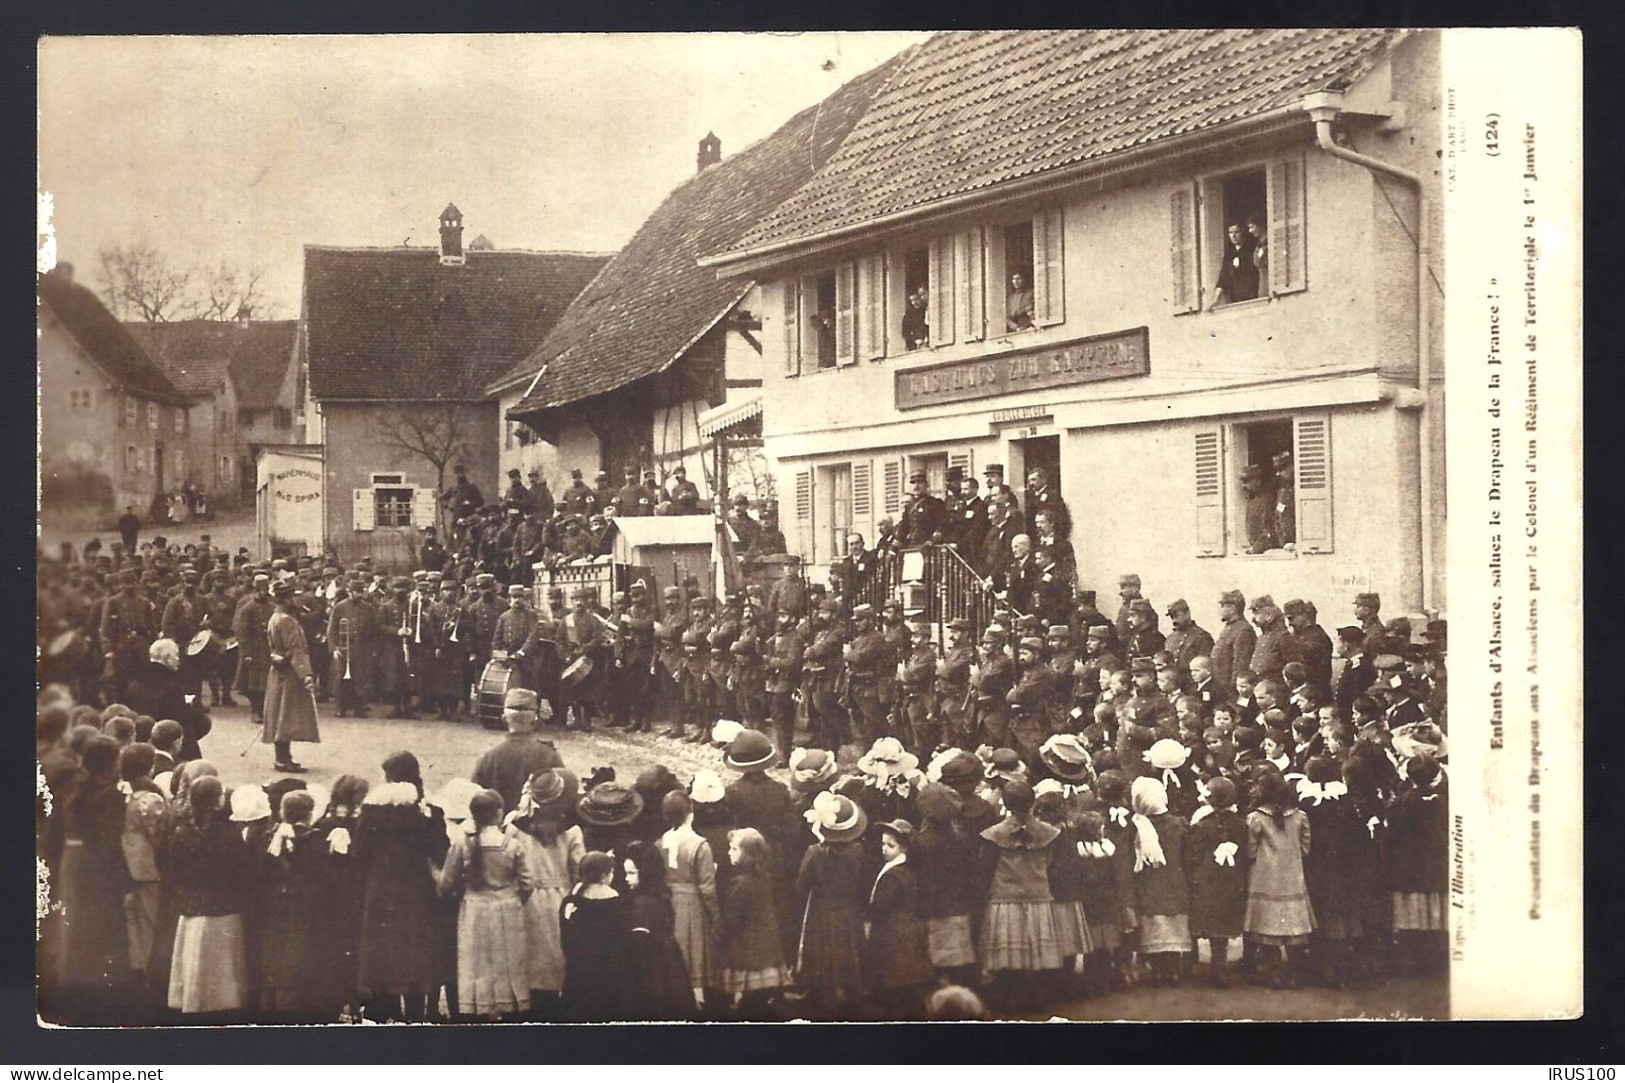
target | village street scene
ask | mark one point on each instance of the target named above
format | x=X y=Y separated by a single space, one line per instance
x=743 y=528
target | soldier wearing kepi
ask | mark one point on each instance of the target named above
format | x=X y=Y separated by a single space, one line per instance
x=1128 y=588
x=924 y=516
x=1188 y=639
x=480 y=619
x=685 y=495
x=669 y=658
x=638 y=655
x=918 y=668
x=290 y=691
x=1314 y=645
x=783 y=658
x=602 y=491
x=578 y=499
x=515 y=636
x=442 y=685
x=867 y=658
x=249 y=626
x=126 y=634
x=821 y=676
x=952 y=689
x=992 y=680
x=345 y=630
x=1233 y=652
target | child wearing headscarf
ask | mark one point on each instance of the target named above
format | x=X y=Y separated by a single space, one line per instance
x=1216 y=873
x=1279 y=918
x=209 y=868
x=146 y=836
x=95 y=957
x=1018 y=928
x=489 y=871
x=341 y=923
x=896 y=962
x=1154 y=863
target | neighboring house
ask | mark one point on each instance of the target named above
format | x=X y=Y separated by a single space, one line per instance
x=658 y=357
x=395 y=349
x=266 y=381
x=1104 y=168
x=113 y=427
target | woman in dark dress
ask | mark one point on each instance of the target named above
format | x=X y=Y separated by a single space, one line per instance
x=95 y=958
x=595 y=925
x=406 y=947
x=833 y=884
x=659 y=975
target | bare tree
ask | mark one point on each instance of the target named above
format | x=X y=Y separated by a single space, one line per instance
x=231 y=293
x=141 y=283
x=438 y=432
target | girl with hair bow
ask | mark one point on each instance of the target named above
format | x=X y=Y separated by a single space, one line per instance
x=1216 y=872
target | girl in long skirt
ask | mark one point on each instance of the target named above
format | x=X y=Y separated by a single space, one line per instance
x=897 y=963
x=1157 y=894
x=208 y=866
x=1418 y=864
x=1279 y=918
x=657 y=971
x=1018 y=930
x=750 y=941
x=489 y=871
x=1066 y=879
x=832 y=882
x=595 y=926
x=340 y=940
x=691 y=873
x=553 y=851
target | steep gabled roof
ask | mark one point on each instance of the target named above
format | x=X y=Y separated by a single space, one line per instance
x=198 y=354
x=653 y=301
x=393 y=324
x=970 y=111
x=108 y=343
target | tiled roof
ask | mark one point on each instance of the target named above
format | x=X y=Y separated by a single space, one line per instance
x=197 y=354
x=652 y=301
x=392 y=323
x=970 y=110
x=106 y=340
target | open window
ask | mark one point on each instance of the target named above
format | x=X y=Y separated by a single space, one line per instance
x=1264 y=486
x=912 y=299
x=818 y=310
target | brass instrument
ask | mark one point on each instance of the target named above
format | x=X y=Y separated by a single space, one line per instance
x=416 y=605
x=405 y=632
x=344 y=645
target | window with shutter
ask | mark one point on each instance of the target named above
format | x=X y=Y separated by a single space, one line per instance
x=873 y=288
x=792 y=327
x=1312 y=463
x=804 y=513
x=1186 y=287
x=968 y=258
x=961 y=461
x=846 y=339
x=892 y=487
x=423 y=508
x=942 y=291
x=1049 y=292
x=1286 y=256
x=863 y=504
x=361 y=509
x=1210 y=481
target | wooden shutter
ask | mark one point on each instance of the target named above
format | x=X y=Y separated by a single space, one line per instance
x=873 y=322
x=846 y=338
x=792 y=327
x=962 y=460
x=941 y=271
x=892 y=485
x=423 y=507
x=1210 y=481
x=1287 y=271
x=1186 y=287
x=1049 y=291
x=863 y=501
x=972 y=285
x=1312 y=462
x=363 y=513
x=804 y=513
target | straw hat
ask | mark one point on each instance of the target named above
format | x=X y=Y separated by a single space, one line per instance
x=834 y=818
x=610 y=804
x=750 y=751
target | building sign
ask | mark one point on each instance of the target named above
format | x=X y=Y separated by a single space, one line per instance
x=1023 y=413
x=297 y=486
x=1086 y=360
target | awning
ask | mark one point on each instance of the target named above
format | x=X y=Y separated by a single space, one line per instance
x=730 y=414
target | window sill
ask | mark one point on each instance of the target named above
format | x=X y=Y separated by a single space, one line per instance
x=1273 y=554
x=1241 y=308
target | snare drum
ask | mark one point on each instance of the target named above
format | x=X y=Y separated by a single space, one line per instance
x=578 y=671
x=206 y=647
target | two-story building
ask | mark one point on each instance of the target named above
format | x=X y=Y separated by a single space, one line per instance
x=235 y=371
x=396 y=347
x=113 y=427
x=659 y=359
x=1015 y=257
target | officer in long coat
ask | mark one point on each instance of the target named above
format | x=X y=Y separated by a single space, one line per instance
x=250 y=625
x=924 y=516
x=290 y=687
x=1233 y=651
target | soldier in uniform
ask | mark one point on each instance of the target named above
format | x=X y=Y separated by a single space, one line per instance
x=1063 y=663
x=1358 y=673
x=344 y=626
x=633 y=499
x=517 y=494
x=585 y=637
x=1143 y=639
x=127 y=630
x=685 y=495
x=822 y=676
x=1098 y=656
x=219 y=607
x=1284 y=504
x=1188 y=639
x=743 y=526
x=603 y=493
x=1314 y=645
x=183 y=618
x=480 y=621
x=638 y=655
x=1233 y=652
x=1029 y=699
x=440 y=679
x=719 y=672
x=1275 y=646
x=696 y=681
x=1259 y=517
x=463 y=498
x=669 y=657
x=783 y=659
x=249 y=625
x=952 y=687
x=392 y=650
x=578 y=499
x=1051 y=598
x=515 y=635
x=1128 y=589
x=868 y=665
x=541 y=498
x=924 y=516
x=1143 y=719
x=992 y=681
x=918 y=671
x=1367 y=606
x=747 y=675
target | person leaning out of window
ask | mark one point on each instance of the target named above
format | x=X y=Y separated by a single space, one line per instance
x=1238 y=274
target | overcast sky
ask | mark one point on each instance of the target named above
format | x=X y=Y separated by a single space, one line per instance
x=245 y=149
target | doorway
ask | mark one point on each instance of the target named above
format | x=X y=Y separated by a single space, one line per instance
x=1035 y=453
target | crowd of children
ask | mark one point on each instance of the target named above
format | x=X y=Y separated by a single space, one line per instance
x=893 y=889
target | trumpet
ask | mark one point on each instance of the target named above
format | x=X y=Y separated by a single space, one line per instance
x=344 y=644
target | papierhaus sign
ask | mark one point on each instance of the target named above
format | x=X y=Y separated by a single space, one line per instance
x=1099 y=357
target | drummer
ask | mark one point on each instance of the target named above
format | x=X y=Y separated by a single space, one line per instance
x=584 y=669
x=219 y=606
x=182 y=620
x=515 y=637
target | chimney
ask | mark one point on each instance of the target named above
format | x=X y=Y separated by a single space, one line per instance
x=710 y=151
x=451 y=236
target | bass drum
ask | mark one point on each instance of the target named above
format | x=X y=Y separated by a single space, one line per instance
x=498 y=676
